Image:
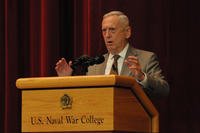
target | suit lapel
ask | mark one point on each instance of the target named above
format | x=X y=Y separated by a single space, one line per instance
x=103 y=65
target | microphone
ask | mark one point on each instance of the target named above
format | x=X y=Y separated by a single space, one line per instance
x=96 y=60
x=79 y=61
x=86 y=61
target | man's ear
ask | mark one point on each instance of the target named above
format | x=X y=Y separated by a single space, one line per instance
x=128 y=32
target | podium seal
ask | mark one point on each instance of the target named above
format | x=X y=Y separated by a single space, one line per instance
x=66 y=102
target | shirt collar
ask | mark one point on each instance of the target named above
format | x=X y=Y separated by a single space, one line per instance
x=122 y=53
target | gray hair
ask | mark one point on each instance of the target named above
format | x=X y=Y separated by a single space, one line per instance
x=123 y=18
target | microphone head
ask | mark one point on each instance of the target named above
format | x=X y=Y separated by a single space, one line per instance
x=95 y=60
x=85 y=60
x=99 y=59
x=79 y=61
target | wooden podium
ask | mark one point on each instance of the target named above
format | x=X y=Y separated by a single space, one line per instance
x=85 y=104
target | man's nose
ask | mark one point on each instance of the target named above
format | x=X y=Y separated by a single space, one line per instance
x=108 y=34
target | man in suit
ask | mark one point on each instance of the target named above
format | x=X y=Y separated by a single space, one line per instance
x=123 y=59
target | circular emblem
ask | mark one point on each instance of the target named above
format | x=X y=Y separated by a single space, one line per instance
x=66 y=102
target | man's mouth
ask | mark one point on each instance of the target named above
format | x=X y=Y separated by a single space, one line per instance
x=109 y=42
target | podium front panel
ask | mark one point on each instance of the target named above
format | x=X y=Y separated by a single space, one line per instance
x=79 y=109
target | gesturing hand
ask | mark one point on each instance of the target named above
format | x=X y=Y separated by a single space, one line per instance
x=134 y=66
x=63 y=68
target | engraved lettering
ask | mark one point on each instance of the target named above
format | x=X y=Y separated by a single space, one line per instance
x=68 y=119
x=51 y=120
x=71 y=120
x=36 y=120
x=91 y=120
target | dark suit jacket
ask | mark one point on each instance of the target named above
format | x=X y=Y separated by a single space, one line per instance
x=156 y=85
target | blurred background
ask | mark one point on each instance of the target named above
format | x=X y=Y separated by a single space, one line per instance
x=35 y=34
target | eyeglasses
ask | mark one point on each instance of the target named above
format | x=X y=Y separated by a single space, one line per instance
x=109 y=30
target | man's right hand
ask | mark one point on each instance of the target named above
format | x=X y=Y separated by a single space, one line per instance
x=63 y=68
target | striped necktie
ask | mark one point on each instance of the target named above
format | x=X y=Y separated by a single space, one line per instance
x=114 y=69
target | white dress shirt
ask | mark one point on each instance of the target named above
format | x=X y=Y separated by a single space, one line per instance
x=120 y=61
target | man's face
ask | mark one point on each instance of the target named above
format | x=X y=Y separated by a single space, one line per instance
x=115 y=34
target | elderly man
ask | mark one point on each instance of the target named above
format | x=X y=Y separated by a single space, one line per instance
x=123 y=59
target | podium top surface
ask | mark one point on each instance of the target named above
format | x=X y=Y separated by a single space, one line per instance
x=75 y=81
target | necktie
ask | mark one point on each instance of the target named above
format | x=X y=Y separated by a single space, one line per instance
x=114 y=69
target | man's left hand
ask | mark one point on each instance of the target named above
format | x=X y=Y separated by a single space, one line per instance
x=134 y=66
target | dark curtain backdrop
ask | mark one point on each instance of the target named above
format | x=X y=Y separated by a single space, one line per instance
x=34 y=34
